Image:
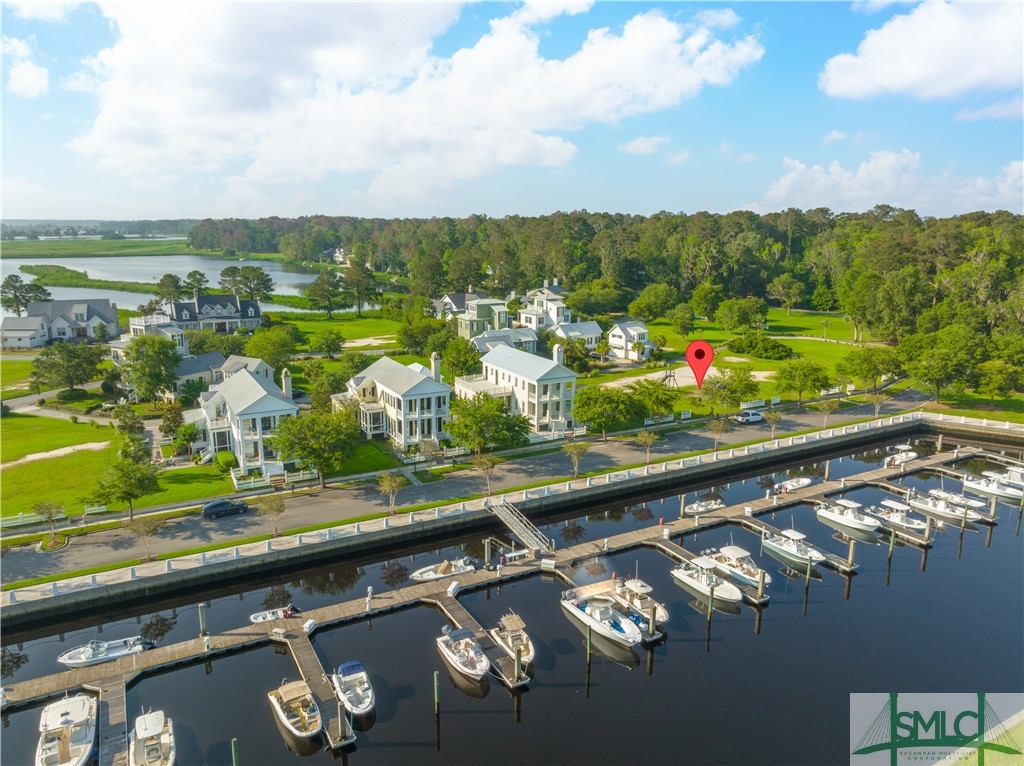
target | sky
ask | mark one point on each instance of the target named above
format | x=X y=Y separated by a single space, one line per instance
x=129 y=110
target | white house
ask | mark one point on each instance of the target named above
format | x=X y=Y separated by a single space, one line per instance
x=60 y=320
x=237 y=415
x=407 y=404
x=220 y=313
x=542 y=389
x=543 y=309
x=452 y=305
x=589 y=332
x=622 y=338
x=522 y=338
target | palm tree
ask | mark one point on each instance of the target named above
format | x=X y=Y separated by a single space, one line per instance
x=773 y=418
x=647 y=439
x=576 y=451
x=638 y=349
x=718 y=427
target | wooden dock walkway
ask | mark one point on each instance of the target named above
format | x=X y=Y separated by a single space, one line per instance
x=113 y=722
x=679 y=553
x=339 y=730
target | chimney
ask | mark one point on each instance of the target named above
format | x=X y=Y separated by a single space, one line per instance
x=435 y=366
x=556 y=281
x=469 y=289
x=546 y=283
x=556 y=353
x=234 y=291
x=286 y=383
x=195 y=296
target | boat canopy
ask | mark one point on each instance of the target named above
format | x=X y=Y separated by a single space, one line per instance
x=512 y=622
x=847 y=503
x=350 y=668
x=734 y=552
x=461 y=634
x=895 y=505
x=638 y=586
x=705 y=562
x=149 y=725
x=792 y=534
x=293 y=691
x=903 y=447
x=994 y=475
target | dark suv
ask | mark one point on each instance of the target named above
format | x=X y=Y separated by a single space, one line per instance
x=224 y=508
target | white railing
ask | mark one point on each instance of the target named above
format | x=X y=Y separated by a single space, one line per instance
x=752 y=404
x=158 y=568
x=290 y=477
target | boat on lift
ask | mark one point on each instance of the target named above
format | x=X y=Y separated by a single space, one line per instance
x=789 y=548
x=791 y=485
x=151 y=741
x=698 y=577
x=463 y=652
x=1014 y=476
x=958 y=499
x=510 y=636
x=444 y=569
x=703 y=506
x=847 y=513
x=943 y=510
x=904 y=454
x=737 y=563
x=898 y=515
x=600 y=614
x=67 y=732
x=992 y=484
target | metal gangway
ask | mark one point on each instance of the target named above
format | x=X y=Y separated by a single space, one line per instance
x=522 y=528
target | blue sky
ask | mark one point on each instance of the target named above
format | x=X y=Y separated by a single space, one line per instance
x=137 y=110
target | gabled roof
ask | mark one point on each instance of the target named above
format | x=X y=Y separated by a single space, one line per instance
x=235 y=362
x=399 y=379
x=490 y=339
x=577 y=329
x=529 y=366
x=630 y=327
x=459 y=300
x=192 y=365
x=21 y=323
x=92 y=307
x=243 y=390
x=231 y=302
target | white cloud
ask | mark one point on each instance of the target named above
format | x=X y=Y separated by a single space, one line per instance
x=725 y=18
x=1010 y=109
x=937 y=50
x=535 y=11
x=678 y=158
x=644 y=144
x=299 y=92
x=748 y=157
x=894 y=178
x=41 y=10
x=15 y=48
x=834 y=135
x=873 y=6
x=28 y=80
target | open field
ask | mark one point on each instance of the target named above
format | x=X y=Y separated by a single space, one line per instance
x=350 y=327
x=28 y=434
x=64 y=248
x=369 y=456
x=15 y=377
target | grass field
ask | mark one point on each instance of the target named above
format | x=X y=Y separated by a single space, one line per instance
x=976 y=406
x=369 y=456
x=63 y=248
x=28 y=434
x=15 y=376
x=350 y=327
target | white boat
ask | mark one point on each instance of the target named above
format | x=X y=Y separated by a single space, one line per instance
x=789 y=548
x=67 y=732
x=296 y=710
x=904 y=454
x=352 y=686
x=942 y=510
x=791 y=485
x=635 y=596
x=703 y=506
x=847 y=513
x=600 y=614
x=510 y=636
x=444 y=569
x=96 y=651
x=698 y=577
x=958 y=499
x=151 y=742
x=1014 y=476
x=735 y=562
x=992 y=484
x=463 y=651
x=274 y=614
x=898 y=514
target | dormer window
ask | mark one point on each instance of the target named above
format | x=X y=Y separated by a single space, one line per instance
x=79 y=317
x=251 y=312
x=184 y=315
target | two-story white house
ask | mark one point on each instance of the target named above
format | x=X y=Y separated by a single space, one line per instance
x=623 y=340
x=404 y=404
x=238 y=415
x=589 y=332
x=451 y=305
x=542 y=389
x=60 y=320
x=220 y=313
x=543 y=309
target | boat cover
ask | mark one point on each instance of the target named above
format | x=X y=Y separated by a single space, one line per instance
x=895 y=505
x=350 y=668
x=638 y=586
x=149 y=725
x=847 y=503
x=293 y=691
x=705 y=562
x=734 y=552
x=792 y=534
x=512 y=622
x=460 y=635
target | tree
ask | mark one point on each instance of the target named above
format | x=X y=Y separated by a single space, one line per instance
x=190 y=390
x=787 y=291
x=681 y=319
x=360 y=280
x=718 y=428
x=230 y=278
x=646 y=440
x=324 y=441
x=576 y=451
x=877 y=399
x=66 y=365
x=606 y=409
x=274 y=345
x=485 y=420
x=51 y=513
x=740 y=385
x=101 y=333
x=271 y=506
x=328 y=342
x=714 y=394
x=16 y=293
x=948 y=357
x=172 y=419
x=575 y=355
x=146 y=528
x=186 y=436
x=460 y=357
x=638 y=349
x=389 y=485
x=254 y=282
x=773 y=418
x=998 y=378
x=705 y=299
x=603 y=348
x=326 y=291
x=151 y=365
x=135 y=448
x=204 y=341
x=125 y=482
x=196 y=281
x=654 y=301
x=826 y=408
x=868 y=364
x=150 y=307
x=169 y=288
x=485 y=464
x=741 y=313
x=601 y=296
x=801 y=376
x=128 y=421
x=657 y=398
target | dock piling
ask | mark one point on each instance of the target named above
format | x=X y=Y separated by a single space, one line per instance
x=589 y=640
x=711 y=601
x=437 y=695
x=650 y=623
x=849 y=555
x=892 y=542
x=760 y=585
x=234 y=751
x=928 y=529
x=807 y=576
x=202 y=619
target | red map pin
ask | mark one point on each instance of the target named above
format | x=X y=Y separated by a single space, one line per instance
x=699 y=356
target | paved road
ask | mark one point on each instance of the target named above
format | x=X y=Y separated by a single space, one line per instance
x=337 y=504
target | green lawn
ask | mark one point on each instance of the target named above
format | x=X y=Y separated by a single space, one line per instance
x=369 y=456
x=54 y=248
x=22 y=435
x=15 y=376
x=350 y=327
x=975 y=406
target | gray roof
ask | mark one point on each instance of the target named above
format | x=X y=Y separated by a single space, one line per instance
x=195 y=306
x=530 y=366
x=578 y=329
x=398 y=378
x=91 y=307
x=243 y=389
x=192 y=365
x=459 y=300
x=490 y=339
x=236 y=362
x=20 y=323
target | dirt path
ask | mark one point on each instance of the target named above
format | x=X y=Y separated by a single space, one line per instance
x=370 y=341
x=684 y=376
x=57 y=453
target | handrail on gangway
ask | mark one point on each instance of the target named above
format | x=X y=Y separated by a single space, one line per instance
x=522 y=527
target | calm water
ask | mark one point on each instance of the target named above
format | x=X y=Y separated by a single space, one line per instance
x=780 y=696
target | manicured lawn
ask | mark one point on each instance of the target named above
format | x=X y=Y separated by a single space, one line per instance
x=369 y=456
x=183 y=484
x=52 y=248
x=350 y=327
x=22 y=435
x=15 y=377
x=976 y=406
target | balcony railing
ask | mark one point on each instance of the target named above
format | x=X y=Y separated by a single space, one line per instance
x=481 y=385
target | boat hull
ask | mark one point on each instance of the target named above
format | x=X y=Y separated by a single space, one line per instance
x=475 y=671
x=790 y=558
x=1001 y=491
x=80 y=714
x=852 y=522
x=115 y=650
x=629 y=637
x=138 y=751
x=354 y=692
x=725 y=592
x=946 y=513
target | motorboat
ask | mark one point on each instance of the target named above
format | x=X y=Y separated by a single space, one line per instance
x=600 y=614
x=274 y=614
x=735 y=562
x=789 y=548
x=903 y=454
x=352 y=686
x=943 y=510
x=1014 y=476
x=898 y=515
x=463 y=651
x=67 y=732
x=635 y=596
x=847 y=513
x=296 y=710
x=510 y=636
x=620 y=654
x=703 y=506
x=151 y=741
x=992 y=484
x=95 y=652
x=958 y=499
x=791 y=485
x=444 y=569
x=698 y=578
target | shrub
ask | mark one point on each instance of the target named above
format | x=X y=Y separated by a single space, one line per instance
x=760 y=345
x=40 y=403
x=226 y=461
x=4 y=410
x=74 y=419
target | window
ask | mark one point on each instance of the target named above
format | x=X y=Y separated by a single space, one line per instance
x=543 y=410
x=60 y=332
x=533 y=389
x=544 y=390
x=251 y=312
x=440 y=402
x=267 y=423
x=440 y=425
x=184 y=315
x=79 y=317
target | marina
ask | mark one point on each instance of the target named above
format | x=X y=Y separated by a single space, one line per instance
x=564 y=563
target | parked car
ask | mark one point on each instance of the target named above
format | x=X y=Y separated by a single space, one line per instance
x=298 y=393
x=224 y=508
x=748 y=416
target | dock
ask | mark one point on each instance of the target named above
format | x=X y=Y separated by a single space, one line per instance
x=679 y=553
x=652 y=635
